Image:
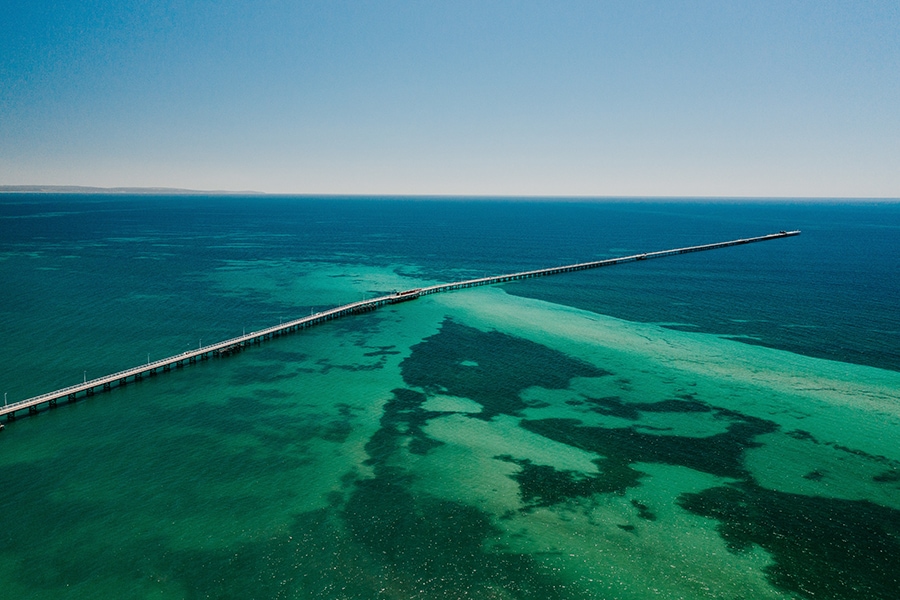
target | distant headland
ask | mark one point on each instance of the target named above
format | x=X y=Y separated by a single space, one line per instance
x=80 y=189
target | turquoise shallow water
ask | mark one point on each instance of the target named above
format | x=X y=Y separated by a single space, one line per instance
x=720 y=425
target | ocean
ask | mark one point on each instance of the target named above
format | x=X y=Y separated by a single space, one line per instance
x=723 y=424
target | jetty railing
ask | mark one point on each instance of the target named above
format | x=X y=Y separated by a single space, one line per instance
x=230 y=346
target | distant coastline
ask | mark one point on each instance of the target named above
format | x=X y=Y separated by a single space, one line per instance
x=169 y=191
x=80 y=189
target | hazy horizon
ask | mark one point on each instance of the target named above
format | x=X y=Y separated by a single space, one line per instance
x=168 y=191
x=580 y=99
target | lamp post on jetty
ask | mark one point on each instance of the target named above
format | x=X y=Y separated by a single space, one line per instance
x=85 y=376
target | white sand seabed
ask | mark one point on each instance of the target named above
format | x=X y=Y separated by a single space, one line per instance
x=676 y=555
x=797 y=391
x=587 y=541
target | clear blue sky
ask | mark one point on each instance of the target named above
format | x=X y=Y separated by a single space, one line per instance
x=668 y=98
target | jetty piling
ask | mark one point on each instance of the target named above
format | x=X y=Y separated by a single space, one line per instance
x=235 y=345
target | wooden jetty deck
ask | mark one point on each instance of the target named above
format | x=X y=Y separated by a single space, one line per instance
x=227 y=347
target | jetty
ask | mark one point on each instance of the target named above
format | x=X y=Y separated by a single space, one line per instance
x=89 y=387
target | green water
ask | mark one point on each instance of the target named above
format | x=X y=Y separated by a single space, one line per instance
x=470 y=444
x=386 y=455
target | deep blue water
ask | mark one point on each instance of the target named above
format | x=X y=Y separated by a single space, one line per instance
x=829 y=293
